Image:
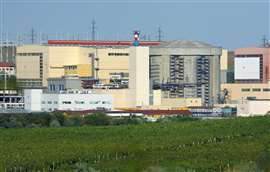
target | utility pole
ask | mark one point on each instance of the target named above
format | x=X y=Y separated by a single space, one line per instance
x=93 y=30
x=160 y=34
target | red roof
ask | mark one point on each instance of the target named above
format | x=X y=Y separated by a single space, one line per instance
x=6 y=64
x=145 y=112
x=101 y=43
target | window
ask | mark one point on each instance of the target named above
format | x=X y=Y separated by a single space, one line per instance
x=94 y=102
x=266 y=89
x=61 y=87
x=43 y=102
x=256 y=89
x=79 y=102
x=245 y=89
x=49 y=102
x=66 y=102
x=118 y=54
x=55 y=102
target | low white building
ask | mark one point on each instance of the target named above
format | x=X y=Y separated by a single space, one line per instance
x=7 y=68
x=72 y=100
x=253 y=108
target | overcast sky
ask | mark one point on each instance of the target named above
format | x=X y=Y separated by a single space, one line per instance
x=227 y=23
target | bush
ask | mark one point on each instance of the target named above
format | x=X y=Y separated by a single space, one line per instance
x=42 y=119
x=13 y=123
x=97 y=119
x=73 y=121
x=177 y=119
x=59 y=117
x=55 y=123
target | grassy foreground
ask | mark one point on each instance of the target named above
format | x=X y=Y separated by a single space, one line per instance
x=239 y=144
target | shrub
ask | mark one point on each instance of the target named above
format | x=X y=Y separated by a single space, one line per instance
x=97 y=119
x=59 y=117
x=42 y=119
x=55 y=123
x=73 y=121
x=177 y=119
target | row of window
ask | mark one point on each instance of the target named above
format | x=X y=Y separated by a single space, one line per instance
x=70 y=67
x=255 y=89
x=52 y=87
x=77 y=102
x=118 y=54
x=29 y=54
x=6 y=69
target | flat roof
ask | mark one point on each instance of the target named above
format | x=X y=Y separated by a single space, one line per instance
x=7 y=64
x=101 y=43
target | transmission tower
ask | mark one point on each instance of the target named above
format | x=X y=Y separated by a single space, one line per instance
x=33 y=36
x=93 y=30
x=265 y=41
x=160 y=32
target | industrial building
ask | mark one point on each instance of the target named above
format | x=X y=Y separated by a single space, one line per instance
x=186 y=69
x=35 y=100
x=251 y=76
x=181 y=69
x=36 y=63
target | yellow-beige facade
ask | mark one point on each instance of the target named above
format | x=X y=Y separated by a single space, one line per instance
x=237 y=93
x=37 y=63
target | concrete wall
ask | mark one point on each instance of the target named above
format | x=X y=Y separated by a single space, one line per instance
x=32 y=100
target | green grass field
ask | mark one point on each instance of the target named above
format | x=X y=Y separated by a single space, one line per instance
x=239 y=144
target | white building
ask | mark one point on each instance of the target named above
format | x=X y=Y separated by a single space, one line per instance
x=72 y=100
x=253 y=108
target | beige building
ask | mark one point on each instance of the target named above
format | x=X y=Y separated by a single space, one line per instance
x=111 y=62
x=237 y=93
x=161 y=100
x=36 y=63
